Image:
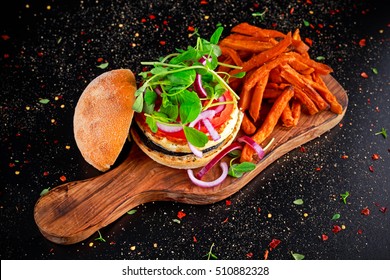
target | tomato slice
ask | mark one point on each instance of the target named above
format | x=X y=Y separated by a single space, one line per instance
x=218 y=120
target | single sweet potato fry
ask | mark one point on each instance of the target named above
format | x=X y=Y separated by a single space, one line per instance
x=248 y=126
x=296 y=110
x=287 y=117
x=247 y=29
x=257 y=98
x=321 y=87
x=246 y=45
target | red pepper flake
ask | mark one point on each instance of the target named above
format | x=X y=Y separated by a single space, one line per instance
x=336 y=229
x=256 y=5
x=143 y=20
x=266 y=255
x=364 y=75
x=11 y=164
x=311 y=26
x=381 y=208
x=302 y=149
x=6 y=55
x=162 y=43
x=258 y=209
x=63 y=178
x=112 y=242
x=152 y=16
x=194 y=239
x=249 y=255
x=377 y=109
x=203 y=2
x=228 y=202
x=320 y=25
x=344 y=156
x=225 y=221
x=309 y=2
x=273 y=244
x=291 y=10
x=46 y=173
x=181 y=214
x=309 y=41
x=318 y=169
x=375 y=157
x=100 y=59
x=324 y=237
x=191 y=29
x=362 y=43
x=5 y=37
x=365 y=211
x=371 y=168
x=165 y=22
x=40 y=54
x=359 y=231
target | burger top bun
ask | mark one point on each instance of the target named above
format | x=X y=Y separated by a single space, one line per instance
x=103 y=116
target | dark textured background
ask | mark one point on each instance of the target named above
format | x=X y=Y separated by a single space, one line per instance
x=51 y=49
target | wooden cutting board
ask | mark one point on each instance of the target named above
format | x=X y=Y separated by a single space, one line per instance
x=74 y=211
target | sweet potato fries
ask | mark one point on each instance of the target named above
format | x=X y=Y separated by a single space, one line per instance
x=281 y=80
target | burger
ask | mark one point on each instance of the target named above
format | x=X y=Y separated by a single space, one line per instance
x=186 y=113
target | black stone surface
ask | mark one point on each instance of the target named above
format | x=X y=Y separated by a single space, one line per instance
x=51 y=49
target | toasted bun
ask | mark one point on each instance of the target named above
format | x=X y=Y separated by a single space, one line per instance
x=103 y=116
x=188 y=160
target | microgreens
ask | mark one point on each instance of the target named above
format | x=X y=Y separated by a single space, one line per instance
x=210 y=254
x=100 y=238
x=344 y=196
x=167 y=94
x=383 y=132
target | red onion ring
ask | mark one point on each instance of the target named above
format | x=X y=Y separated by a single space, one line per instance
x=210 y=184
x=234 y=146
x=208 y=114
x=256 y=147
x=169 y=128
x=210 y=128
x=195 y=151
x=198 y=81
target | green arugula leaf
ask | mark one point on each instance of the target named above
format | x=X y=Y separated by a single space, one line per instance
x=138 y=103
x=190 y=106
x=237 y=170
x=298 y=201
x=103 y=65
x=152 y=123
x=297 y=256
x=336 y=216
x=195 y=137
x=150 y=97
x=216 y=35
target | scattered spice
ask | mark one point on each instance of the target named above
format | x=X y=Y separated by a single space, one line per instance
x=63 y=178
x=298 y=201
x=132 y=212
x=103 y=65
x=365 y=211
x=375 y=157
x=364 y=75
x=297 y=256
x=336 y=229
x=371 y=168
x=181 y=214
x=374 y=70
x=324 y=237
x=273 y=244
x=228 y=202
x=362 y=43
x=336 y=216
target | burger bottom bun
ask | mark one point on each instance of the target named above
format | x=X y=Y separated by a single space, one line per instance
x=187 y=161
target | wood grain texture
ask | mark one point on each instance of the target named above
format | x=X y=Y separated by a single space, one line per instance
x=74 y=211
